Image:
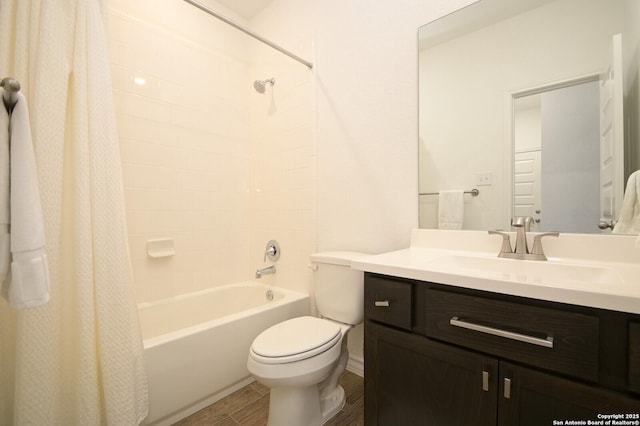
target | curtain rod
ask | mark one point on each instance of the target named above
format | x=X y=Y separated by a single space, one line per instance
x=245 y=30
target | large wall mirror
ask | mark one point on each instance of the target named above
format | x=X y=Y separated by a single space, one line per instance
x=534 y=104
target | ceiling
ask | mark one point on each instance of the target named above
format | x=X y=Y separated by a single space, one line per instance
x=245 y=8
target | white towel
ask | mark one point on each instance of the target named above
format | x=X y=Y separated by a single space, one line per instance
x=450 y=209
x=5 y=216
x=629 y=220
x=26 y=285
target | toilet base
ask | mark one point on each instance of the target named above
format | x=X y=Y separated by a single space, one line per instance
x=333 y=404
x=301 y=406
x=294 y=406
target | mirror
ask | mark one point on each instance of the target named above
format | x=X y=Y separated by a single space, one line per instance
x=514 y=101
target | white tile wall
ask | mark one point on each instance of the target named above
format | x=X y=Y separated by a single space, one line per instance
x=184 y=144
x=283 y=162
x=207 y=161
x=222 y=169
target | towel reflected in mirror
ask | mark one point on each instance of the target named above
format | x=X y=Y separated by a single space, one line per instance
x=629 y=221
x=450 y=209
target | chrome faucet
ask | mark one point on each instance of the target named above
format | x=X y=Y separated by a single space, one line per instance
x=522 y=225
x=271 y=269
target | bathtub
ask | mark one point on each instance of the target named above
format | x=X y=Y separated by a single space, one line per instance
x=196 y=345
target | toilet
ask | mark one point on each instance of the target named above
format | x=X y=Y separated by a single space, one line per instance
x=301 y=359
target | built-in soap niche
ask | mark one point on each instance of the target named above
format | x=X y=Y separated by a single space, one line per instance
x=161 y=247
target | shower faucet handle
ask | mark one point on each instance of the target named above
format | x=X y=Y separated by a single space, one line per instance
x=272 y=251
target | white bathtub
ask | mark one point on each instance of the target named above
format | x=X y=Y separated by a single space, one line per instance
x=196 y=345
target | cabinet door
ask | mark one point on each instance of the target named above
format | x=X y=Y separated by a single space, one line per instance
x=634 y=356
x=531 y=398
x=411 y=380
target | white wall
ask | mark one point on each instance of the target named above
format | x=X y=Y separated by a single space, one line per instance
x=366 y=65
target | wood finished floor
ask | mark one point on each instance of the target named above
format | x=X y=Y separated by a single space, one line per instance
x=249 y=406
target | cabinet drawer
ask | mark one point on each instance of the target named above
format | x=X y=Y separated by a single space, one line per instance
x=388 y=301
x=547 y=338
x=634 y=356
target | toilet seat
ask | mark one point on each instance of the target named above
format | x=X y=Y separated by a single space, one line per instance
x=295 y=340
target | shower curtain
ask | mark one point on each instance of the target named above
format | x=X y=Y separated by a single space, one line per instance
x=77 y=360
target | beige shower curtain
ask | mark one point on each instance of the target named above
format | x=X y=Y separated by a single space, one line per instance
x=78 y=359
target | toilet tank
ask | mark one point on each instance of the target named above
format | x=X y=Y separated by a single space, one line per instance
x=338 y=289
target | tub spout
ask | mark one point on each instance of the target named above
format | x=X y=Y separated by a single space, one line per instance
x=266 y=271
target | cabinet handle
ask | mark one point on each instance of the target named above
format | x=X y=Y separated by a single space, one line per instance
x=507 y=388
x=485 y=381
x=547 y=343
x=383 y=303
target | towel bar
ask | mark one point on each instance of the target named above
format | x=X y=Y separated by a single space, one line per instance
x=474 y=193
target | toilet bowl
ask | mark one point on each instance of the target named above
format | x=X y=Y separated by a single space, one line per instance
x=292 y=358
x=301 y=359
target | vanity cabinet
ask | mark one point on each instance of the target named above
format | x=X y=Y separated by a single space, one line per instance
x=443 y=355
x=536 y=398
x=634 y=356
x=411 y=380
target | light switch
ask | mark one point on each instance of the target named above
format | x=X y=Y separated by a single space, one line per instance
x=483 y=178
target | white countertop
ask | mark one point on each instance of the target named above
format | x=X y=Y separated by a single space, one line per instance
x=606 y=276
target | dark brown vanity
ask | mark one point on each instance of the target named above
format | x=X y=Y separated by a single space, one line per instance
x=446 y=355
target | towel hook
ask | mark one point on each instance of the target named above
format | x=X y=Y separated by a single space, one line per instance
x=11 y=88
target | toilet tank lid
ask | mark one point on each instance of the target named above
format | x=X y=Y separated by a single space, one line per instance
x=343 y=258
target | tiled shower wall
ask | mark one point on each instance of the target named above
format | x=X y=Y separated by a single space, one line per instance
x=283 y=161
x=186 y=146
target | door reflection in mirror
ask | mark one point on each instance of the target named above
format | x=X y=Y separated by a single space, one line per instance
x=556 y=158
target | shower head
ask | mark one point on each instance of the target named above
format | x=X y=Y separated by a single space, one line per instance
x=260 y=85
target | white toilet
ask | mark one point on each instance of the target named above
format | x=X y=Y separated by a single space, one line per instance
x=301 y=359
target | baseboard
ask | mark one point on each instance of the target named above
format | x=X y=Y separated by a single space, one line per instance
x=356 y=366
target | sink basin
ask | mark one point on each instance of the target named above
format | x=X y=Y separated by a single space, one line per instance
x=526 y=271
